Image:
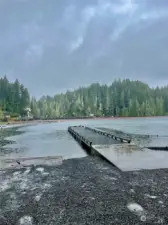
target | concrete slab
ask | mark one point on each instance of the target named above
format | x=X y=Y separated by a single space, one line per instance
x=23 y=162
x=129 y=157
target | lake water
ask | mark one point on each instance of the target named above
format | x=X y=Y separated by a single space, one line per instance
x=52 y=139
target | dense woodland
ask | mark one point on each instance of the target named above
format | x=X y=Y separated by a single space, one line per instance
x=14 y=98
x=121 y=98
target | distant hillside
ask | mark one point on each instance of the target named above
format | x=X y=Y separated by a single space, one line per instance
x=121 y=98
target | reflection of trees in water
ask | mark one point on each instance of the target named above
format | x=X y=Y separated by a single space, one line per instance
x=4 y=133
x=7 y=132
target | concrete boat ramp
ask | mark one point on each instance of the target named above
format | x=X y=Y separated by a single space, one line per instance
x=120 y=151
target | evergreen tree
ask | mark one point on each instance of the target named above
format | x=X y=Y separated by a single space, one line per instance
x=14 y=98
x=121 y=98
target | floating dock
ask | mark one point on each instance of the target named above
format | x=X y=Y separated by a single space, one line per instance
x=118 y=150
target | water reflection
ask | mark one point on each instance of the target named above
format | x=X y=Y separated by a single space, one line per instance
x=45 y=140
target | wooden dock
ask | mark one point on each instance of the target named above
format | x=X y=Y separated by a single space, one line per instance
x=119 y=151
x=89 y=136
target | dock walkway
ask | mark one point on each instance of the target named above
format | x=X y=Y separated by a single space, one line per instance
x=95 y=138
x=118 y=150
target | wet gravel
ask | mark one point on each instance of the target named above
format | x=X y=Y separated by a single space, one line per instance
x=83 y=191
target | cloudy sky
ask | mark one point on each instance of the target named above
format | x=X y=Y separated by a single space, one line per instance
x=54 y=45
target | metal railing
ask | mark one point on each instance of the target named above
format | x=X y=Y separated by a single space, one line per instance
x=105 y=133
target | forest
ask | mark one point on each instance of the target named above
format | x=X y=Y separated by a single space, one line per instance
x=14 y=98
x=121 y=98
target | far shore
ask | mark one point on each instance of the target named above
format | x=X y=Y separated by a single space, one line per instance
x=4 y=124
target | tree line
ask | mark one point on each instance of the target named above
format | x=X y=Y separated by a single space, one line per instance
x=14 y=98
x=121 y=98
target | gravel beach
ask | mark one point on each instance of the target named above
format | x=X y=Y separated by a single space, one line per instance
x=83 y=191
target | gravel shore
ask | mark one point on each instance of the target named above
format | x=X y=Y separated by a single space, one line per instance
x=83 y=191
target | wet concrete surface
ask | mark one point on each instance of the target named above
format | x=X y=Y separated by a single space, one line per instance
x=95 y=138
x=83 y=191
x=20 y=162
x=129 y=157
x=126 y=157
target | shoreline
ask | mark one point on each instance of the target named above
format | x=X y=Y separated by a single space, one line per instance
x=71 y=119
x=110 y=118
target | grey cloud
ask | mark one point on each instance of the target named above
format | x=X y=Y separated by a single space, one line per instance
x=53 y=45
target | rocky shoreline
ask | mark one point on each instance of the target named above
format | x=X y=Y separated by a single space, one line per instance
x=83 y=191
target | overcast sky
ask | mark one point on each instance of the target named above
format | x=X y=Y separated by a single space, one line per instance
x=54 y=45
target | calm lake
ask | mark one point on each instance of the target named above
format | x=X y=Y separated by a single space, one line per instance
x=52 y=139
